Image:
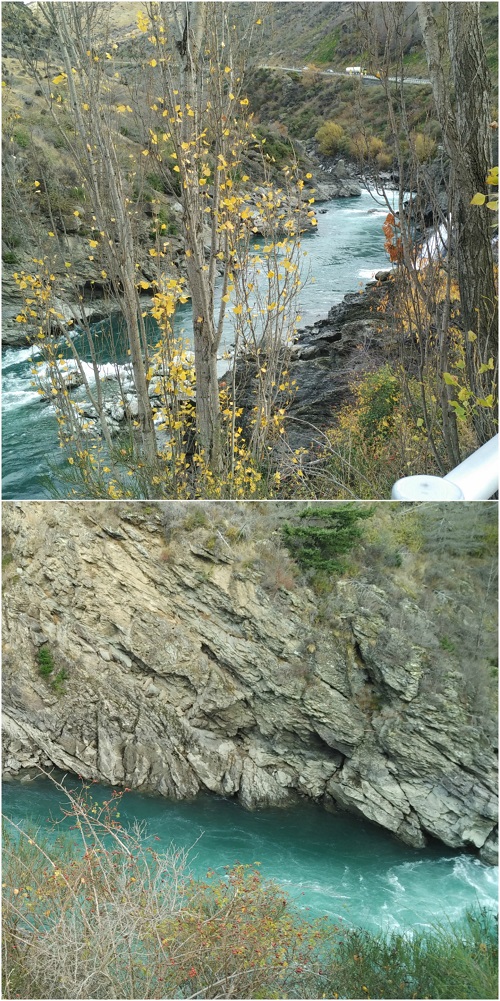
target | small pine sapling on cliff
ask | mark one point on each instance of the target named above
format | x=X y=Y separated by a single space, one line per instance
x=325 y=534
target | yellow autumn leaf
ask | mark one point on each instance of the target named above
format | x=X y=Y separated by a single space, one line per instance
x=478 y=199
x=93 y=243
x=487 y=366
x=60 y=78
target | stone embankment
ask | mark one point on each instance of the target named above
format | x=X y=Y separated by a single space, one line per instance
x=182 y=668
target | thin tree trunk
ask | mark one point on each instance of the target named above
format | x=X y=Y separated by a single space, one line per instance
x=205 y=334
x=473 y=234
x=466 y=134
x=121 y=254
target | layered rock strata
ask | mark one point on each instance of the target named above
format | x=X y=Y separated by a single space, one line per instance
x=182 y=670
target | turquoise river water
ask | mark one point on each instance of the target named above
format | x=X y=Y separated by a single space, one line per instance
x=331 y=864
x=342 y=254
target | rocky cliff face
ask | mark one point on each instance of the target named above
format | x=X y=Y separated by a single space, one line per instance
x=179 y=667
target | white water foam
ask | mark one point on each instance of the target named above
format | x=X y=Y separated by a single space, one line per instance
x=373 y=213
x=16 y=393
x=17 y=356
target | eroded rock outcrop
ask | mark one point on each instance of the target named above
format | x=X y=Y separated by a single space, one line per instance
x=179 y=670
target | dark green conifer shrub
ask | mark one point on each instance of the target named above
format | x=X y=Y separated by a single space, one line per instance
x=325 y=534
x=45 y=662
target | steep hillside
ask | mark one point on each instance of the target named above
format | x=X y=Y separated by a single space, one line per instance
x=179 y=647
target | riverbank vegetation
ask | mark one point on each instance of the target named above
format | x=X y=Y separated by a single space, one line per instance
x=192 y=138
x=430 y=398
x=99 y=913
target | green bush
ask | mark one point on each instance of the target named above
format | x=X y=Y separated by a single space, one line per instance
x=447 y=644
x=156 y=182
x=447 y=961
x=424 y=146
x=57 y=683
x=329 y=137
x=379 y=396
x=10 y=257
x=45 y=662
x=368 y=148
x=22 y=138
x=324 y=537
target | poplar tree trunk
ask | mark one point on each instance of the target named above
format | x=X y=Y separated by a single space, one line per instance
x=205 y=335
x=462 y=98
x=471 y=81
x=104 y=186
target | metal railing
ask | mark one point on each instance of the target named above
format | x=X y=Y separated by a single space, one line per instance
x=476 y=478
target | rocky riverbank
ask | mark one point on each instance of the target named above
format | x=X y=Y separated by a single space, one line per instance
x=325 y=359
x=185 y=658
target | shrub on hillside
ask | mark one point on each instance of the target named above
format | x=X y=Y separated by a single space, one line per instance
x=377 y=438
x=366 y=148
x=330 y=137
x=113 y=918
x=448 y=961
x=424 y=146
x=324 y=535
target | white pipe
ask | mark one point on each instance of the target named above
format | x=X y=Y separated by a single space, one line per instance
x=476 y=478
